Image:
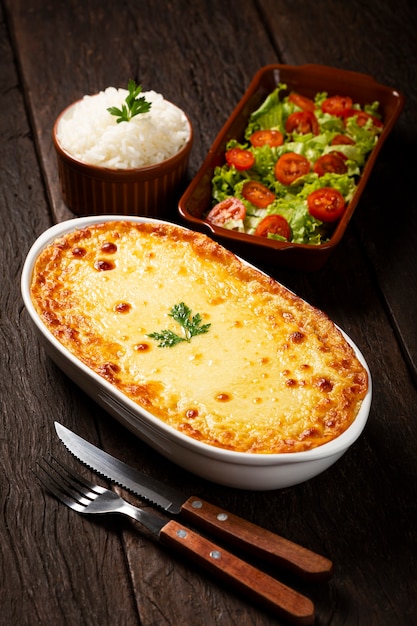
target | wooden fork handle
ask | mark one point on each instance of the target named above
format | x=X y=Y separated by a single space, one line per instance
x=255 y=584
x=256 y=540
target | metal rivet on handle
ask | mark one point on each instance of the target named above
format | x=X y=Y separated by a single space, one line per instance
x=215 y=554
x=197 y=504
x=222 y=517
x=182 y=533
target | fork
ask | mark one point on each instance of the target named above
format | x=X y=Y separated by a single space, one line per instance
x=87 y=498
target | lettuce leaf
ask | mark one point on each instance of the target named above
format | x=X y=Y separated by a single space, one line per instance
x=291 y=200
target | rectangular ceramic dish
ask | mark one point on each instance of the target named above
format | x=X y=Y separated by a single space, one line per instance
x=233 y=469
x=307 y=80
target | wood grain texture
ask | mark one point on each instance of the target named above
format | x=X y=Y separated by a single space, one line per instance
x=255 y=540
x=59 y=568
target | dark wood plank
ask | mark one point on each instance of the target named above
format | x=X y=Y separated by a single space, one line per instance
x=54 y=564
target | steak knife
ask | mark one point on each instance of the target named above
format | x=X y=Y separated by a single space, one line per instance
x=238 y=532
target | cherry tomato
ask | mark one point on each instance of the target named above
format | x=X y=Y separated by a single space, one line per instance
x=268 y=137
x=336 y=105
x=326 y=204
x=257 y=194
x=339 y=140
x=226 y=210
x=362 y=117
x=333 y=162
x=274 y=224
x=302 y=122
x=291 y=166
x=240 y=158
x=306 y=104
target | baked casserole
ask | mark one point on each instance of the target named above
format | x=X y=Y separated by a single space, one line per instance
x=208 y=344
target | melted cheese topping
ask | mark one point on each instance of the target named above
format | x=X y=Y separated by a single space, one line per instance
x=272 y=374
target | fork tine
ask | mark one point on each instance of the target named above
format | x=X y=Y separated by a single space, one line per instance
x=76 y=481
x=66 y=483
x=52 y=485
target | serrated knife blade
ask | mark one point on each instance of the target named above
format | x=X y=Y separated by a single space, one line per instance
x=119 y=472
x=241 y=533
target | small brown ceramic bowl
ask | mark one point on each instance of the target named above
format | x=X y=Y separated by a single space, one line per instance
x=146 y=191
x=306 y=80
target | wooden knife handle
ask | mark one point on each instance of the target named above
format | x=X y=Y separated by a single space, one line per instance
x=257 y=541
x=256 y=585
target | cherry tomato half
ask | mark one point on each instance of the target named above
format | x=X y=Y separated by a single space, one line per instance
x=326 y=204
x=342 y=140
x=257 y=194
x=267 y=137
x=302 y=122
x=226 y=210
x=274 y=224
x=240 y=158
x=333 y=162
x=336 y=105
x=362 y=117
x=291 y=166
x=304 y=103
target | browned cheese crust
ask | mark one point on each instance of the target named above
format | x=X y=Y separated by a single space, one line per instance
x=272 y=374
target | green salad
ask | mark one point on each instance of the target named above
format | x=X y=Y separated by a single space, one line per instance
x=297 y=168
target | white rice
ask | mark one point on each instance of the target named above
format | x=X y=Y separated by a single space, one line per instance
x=92 y=135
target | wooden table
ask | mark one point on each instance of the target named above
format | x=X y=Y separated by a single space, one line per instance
x=60 y=568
